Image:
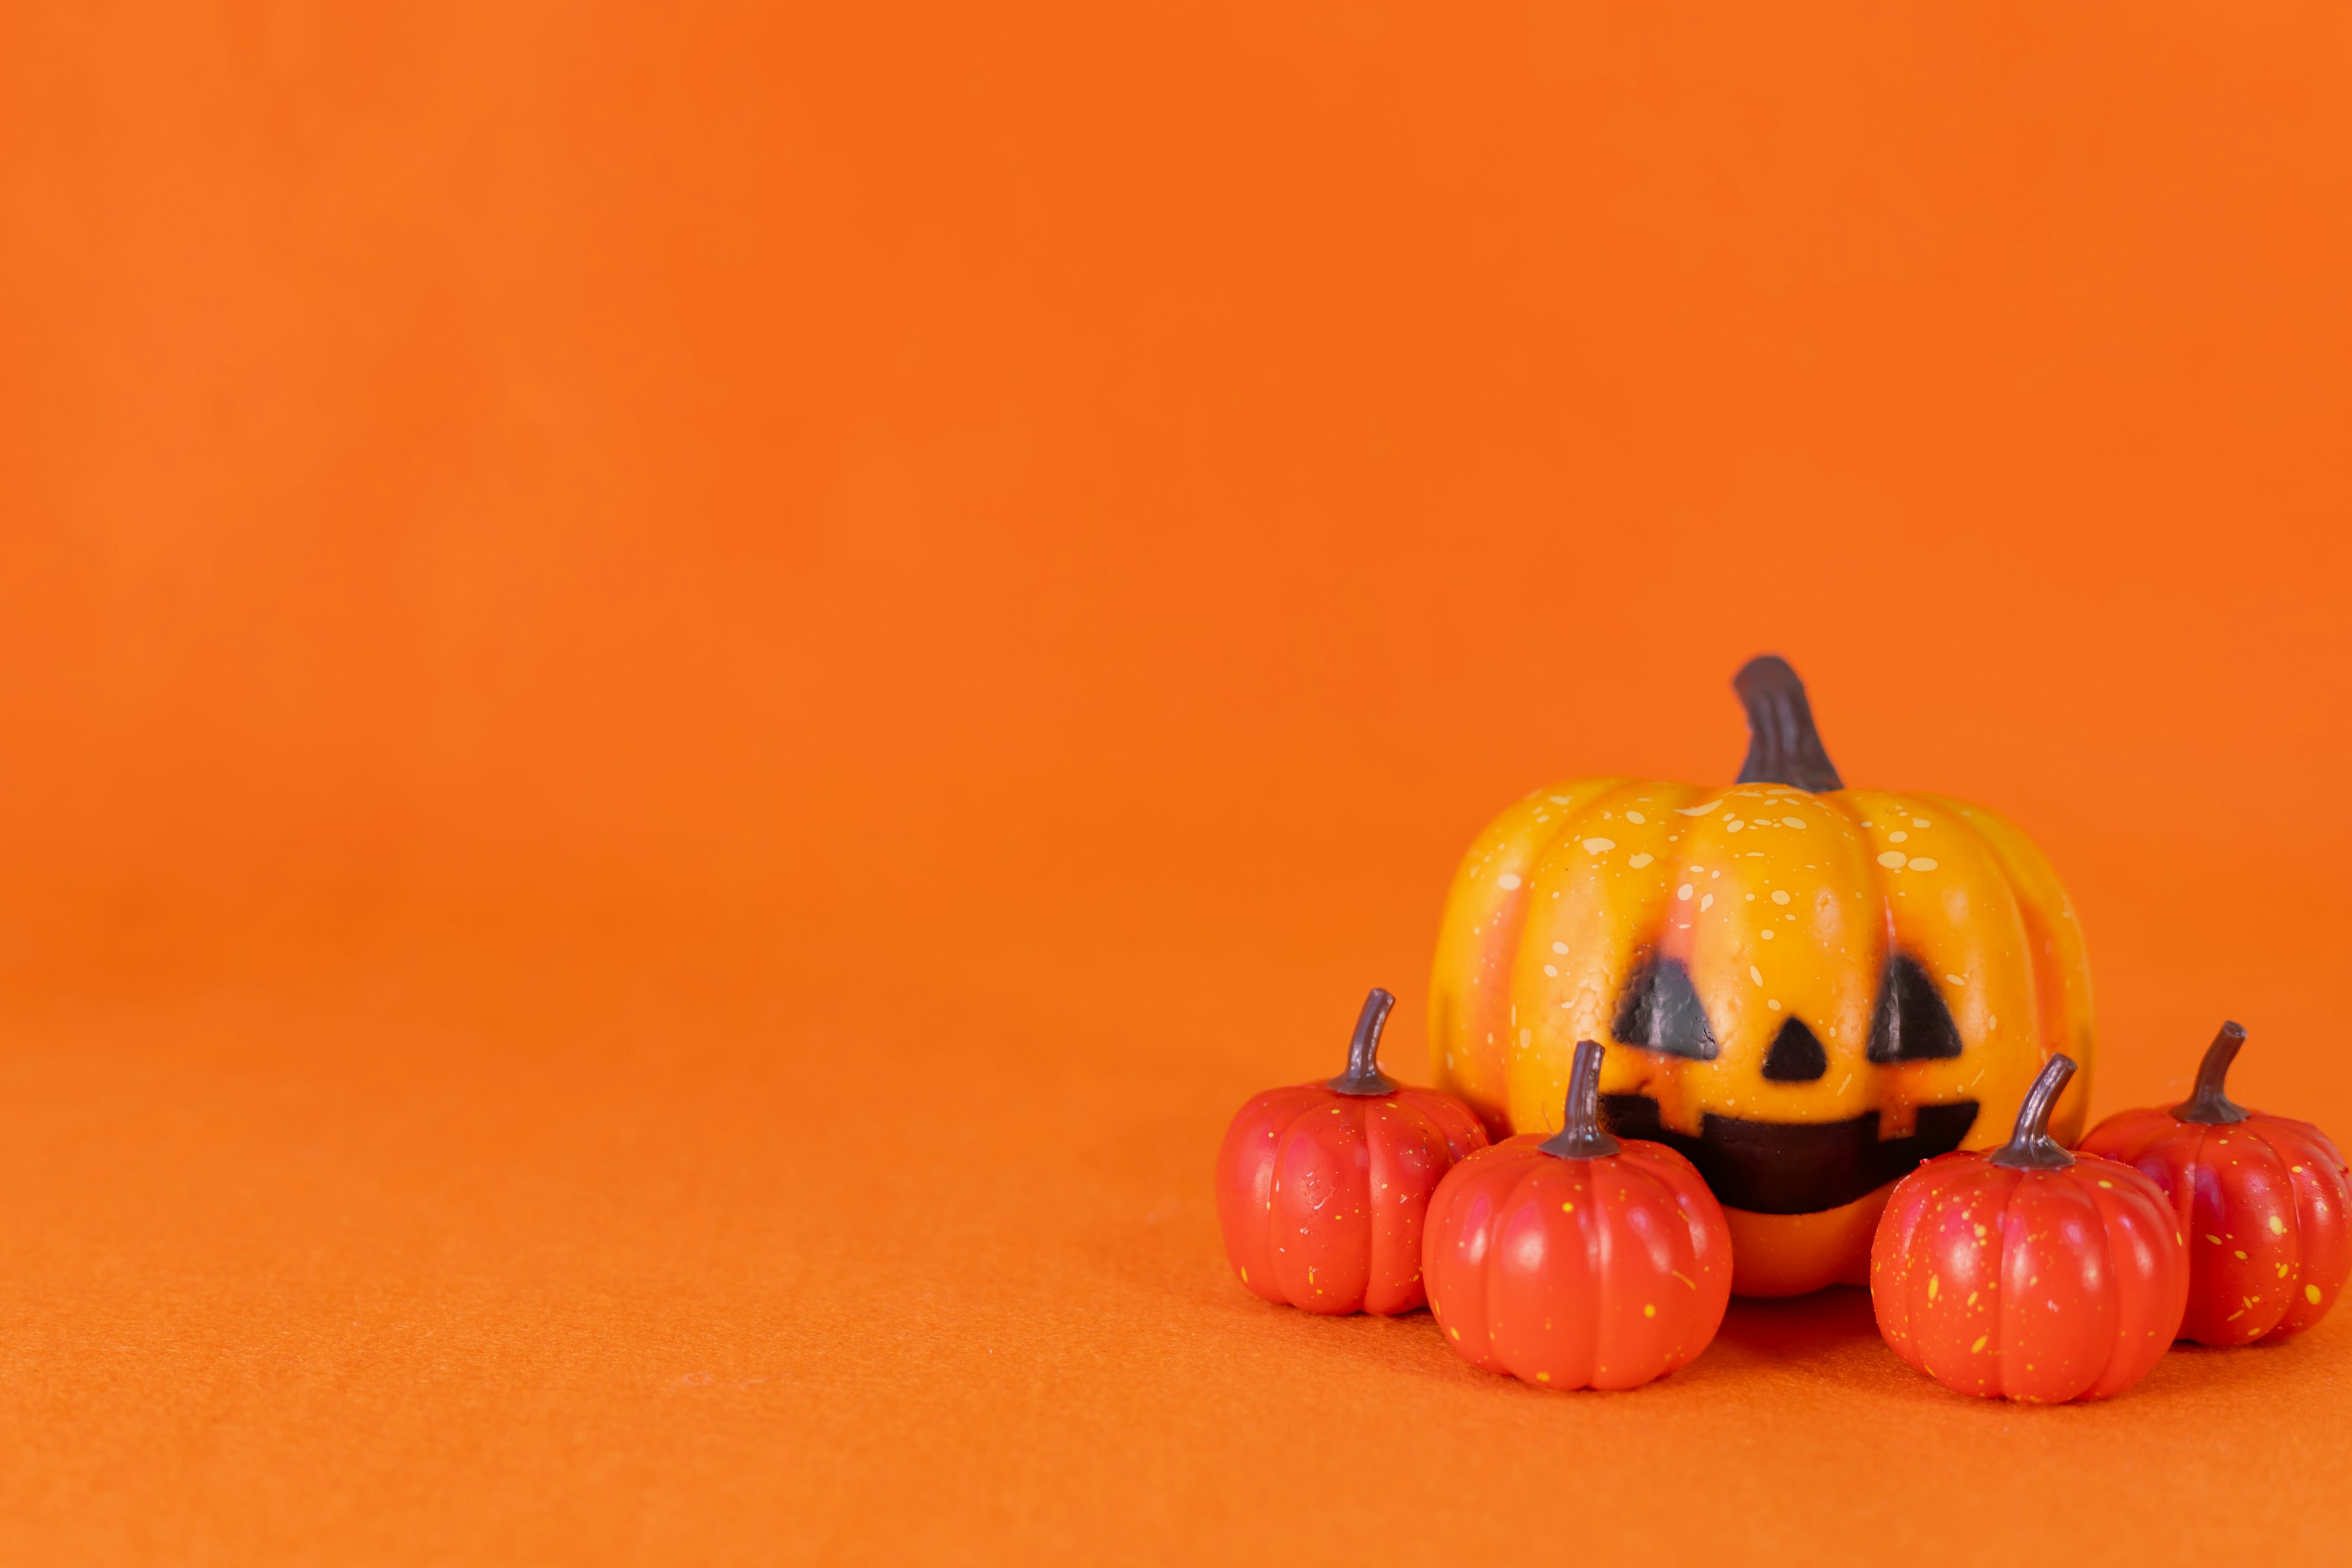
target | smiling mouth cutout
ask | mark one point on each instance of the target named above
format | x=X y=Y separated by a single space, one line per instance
x=1794 y=1167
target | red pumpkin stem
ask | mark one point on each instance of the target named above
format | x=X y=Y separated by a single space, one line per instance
x=1581 y=1136
x=2209 y=1105
x=1363 y=1074
x=1783 y=747
x=2031 y=1147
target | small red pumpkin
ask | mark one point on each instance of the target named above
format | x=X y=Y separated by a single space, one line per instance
x=1321 y=1187
x=2027 y=1272
x=1578 y=1261
x=2262 y=1199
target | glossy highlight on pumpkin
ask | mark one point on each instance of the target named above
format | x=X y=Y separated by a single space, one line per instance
x=1322 y=1187
x=1577 y=1261
x=2263 y=1200
x=1805 y=988
x=2029 y=1273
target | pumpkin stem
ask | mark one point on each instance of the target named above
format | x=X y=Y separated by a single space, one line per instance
x=2031 y=1147
x=1581 y=1136
x=1363 y=1074
x=2209 y=1104
x=1783 y=747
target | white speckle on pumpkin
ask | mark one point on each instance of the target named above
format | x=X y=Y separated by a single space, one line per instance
x=1773 y=1003
x=1892 y=859
x=1734 y=826
x=1684 y=892
x=1921 y=822
x=1638 y=861
x=1635 y=816
x=1792 y=822
x=1551 y=969
x=1599 y=845
x=1766 y=933
x=1956 y=980
x=1561 y=948
x=1780 y=897
x=1706 y=902
x=1921 y=863
x=1697 y=810
x=1756 y=974
x=1508 y=881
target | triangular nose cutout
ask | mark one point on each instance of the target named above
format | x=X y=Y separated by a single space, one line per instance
x=1796 y=1056
x=1660 y=1011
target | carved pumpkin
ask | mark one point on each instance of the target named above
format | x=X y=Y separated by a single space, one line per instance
x=1577 y=1261
x=1321 y=1187
x=2263 y=1200
x=1805 y=989
x=2029 y=1273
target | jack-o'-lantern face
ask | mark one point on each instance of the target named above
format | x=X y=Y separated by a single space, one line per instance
x=1806 y=990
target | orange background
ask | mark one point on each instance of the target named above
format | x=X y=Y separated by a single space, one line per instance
x=687 y=691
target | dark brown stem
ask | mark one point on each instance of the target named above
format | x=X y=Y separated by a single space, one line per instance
x=2209 y=1104
x=2031 y=1147
x=1581 y=1136
x=1363 y=1074
x=1783 y=747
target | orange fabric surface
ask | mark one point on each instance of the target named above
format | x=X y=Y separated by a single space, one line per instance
x=690 y=690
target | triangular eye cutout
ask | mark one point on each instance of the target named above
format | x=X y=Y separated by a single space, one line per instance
x=1796 y=1056
x=1659 y=1010
x=1912 y=1023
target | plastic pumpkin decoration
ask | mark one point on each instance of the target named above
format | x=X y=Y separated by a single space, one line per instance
x=1321 y=1187
x=2029 y=1273
x=2262 y=1199
x=1805 y=989
x=1577 y=1261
